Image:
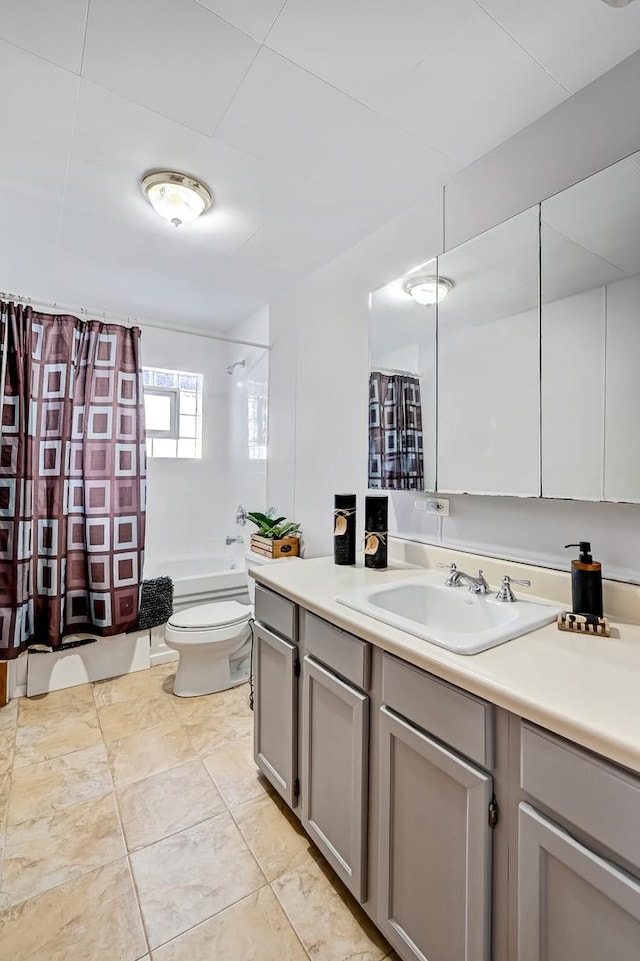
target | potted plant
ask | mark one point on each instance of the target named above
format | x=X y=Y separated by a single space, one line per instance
x=275 y=537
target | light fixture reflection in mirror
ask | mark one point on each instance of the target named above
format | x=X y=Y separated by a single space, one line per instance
x=428 y=291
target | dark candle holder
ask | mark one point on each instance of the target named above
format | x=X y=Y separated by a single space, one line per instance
x=344 y=529
x=376 y=532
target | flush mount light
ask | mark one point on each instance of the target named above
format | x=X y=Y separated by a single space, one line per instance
x=428 y=290
x=617 y=3
x=175 y=196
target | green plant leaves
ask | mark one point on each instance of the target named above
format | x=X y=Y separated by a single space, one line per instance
x=273 y=527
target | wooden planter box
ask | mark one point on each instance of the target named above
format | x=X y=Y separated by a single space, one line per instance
x=269 y=547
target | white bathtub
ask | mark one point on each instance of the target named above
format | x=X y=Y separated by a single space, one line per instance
x=209 y=574
x=199 y=579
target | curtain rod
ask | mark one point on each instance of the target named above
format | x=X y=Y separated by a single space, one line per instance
x=393 y=370
x=127 y=321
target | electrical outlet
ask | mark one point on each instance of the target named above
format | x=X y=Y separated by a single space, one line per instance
x=437 y=505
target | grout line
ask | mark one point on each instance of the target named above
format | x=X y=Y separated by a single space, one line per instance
x=522 y=47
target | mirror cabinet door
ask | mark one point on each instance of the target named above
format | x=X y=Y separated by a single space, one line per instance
x=489 y=363
x=590 y=329
x=402 y=387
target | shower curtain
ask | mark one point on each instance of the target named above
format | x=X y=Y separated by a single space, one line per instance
x=72 y=478
x=396 y=454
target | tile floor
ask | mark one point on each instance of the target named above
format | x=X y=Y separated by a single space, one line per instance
x=134 y=825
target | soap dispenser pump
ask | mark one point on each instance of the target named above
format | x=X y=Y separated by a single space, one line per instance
x=586 y=582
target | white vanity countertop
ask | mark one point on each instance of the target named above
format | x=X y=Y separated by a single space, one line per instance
x=583 y=687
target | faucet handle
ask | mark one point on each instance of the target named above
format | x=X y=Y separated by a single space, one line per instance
x=483 y=587
x=452 y=579
x=505 y=593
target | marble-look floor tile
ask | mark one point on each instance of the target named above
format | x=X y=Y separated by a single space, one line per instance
x=192 y=875
x=123 y=718
x=216 y=731
x=128 y=687
x=141 y=755
x=92 y=918
x=328 y=921
x=56 y=704
x=166 y=803
x=7 y=749
x=274 y=835
x=235 y=773
x=254 y=929
x=48 y=728
x=40 y=854
x=9 y=716
x=40 y=789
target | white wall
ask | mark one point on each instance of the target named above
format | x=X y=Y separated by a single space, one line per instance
x=318 y=436
x=187 y=499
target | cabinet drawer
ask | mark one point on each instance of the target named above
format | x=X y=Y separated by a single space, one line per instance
x=595 y=796
x=276 y=612
x=347 y=655
x=461 y=720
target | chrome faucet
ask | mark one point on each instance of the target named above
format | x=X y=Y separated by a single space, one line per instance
x=505 y=593
x=477 y=585
x=239 y=539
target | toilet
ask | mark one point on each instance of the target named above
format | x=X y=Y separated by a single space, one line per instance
x=213 y=642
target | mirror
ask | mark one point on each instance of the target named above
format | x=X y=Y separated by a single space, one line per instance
x=402 y=386
x=590 y=283
x=488 y=363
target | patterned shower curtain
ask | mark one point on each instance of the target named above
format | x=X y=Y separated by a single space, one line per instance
x=396 y=454
x=72 y=478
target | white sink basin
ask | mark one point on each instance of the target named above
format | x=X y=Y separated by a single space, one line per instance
x=450 y=617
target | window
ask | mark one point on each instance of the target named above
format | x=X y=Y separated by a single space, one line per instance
x=257 y=419
x=173 y=412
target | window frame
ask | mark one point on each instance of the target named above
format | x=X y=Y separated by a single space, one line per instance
x=174 y=401
x=175 y=397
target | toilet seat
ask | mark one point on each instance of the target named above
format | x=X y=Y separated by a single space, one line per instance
x=210 y=617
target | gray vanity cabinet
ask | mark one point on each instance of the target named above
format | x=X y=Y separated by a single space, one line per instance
x=572 y=904
x=275 y=716
x=334 y=760
x=578 y=815
x=435 y=847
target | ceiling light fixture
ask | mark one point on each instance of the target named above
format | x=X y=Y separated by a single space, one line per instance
x=427 y=291
x=617 y=3
x=175 y=196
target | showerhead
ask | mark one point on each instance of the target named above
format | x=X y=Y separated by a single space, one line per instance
x=239 y=363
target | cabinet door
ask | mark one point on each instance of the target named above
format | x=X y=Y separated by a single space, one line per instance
x=335 y=744
x=275 y=716
x=435 y=848
x=572 y=904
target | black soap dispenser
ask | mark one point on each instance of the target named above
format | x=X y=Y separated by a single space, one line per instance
x=586 y=582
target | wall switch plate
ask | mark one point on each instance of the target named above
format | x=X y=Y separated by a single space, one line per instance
x=437 y=505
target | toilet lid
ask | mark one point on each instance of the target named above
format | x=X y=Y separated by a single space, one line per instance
x=222 y=614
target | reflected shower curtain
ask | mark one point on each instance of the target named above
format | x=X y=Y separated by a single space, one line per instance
x=396 y=453
x=72 y=478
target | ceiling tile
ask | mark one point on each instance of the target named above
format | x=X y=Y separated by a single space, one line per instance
x=117 y=195
x=163 y=279
x=362 y=47
x=242 y=184
x=59 y=38
x=173 y=56
x=287 y=117
x=573 y=40
x=28 y=224
x=287 y=243
x=37 y=99
x=251 y=16
x=476 y=91
x=39 y=116
x=445 y=72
